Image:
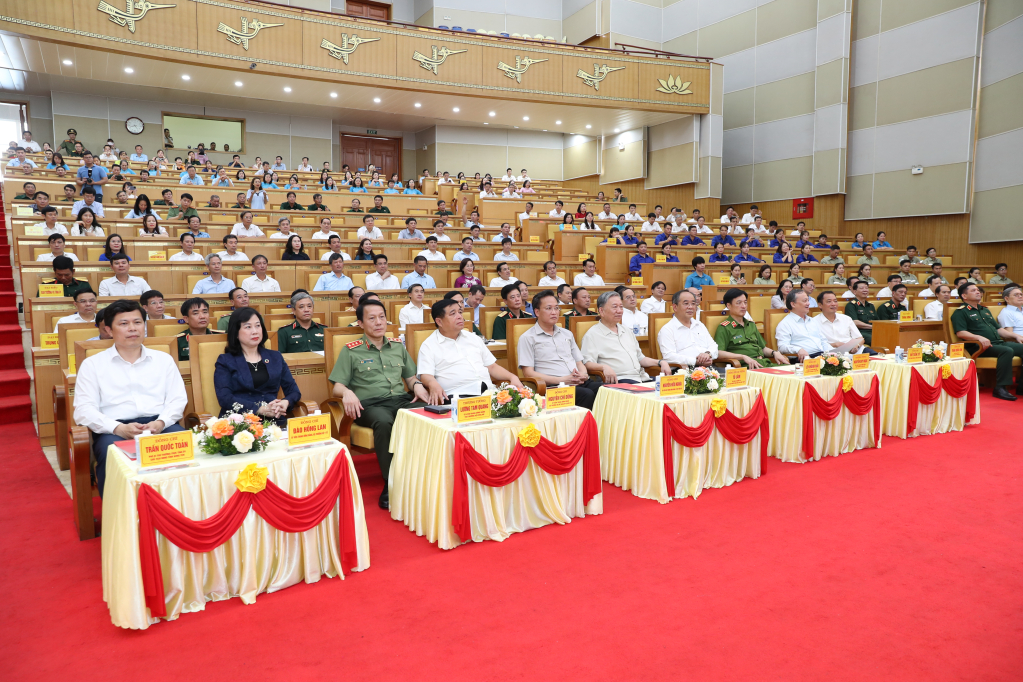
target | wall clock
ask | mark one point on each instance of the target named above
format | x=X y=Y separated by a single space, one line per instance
x=134 y=125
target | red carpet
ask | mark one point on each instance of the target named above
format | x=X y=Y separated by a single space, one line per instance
x=15 y=401
x=894 y=564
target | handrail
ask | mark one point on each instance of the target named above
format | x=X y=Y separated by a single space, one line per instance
x=662 y=52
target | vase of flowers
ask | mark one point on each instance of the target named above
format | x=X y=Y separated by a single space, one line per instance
x=235 y=433
x=700 y=380
x=835 y=365
x=508 y=402
x=930 y=352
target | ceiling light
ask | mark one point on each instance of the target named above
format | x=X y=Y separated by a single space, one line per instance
x=67 y=62
x=287 y=89
x=128 y=69
x=557 y=123
x=417 y=105
x=377 y=100
x=238 y=83
x=333 y=94
x=493 y=113
x=588 y=126
x=185 y=77
x=456 y=110
x=525 y=118
x=617 y=129
x=486 y=123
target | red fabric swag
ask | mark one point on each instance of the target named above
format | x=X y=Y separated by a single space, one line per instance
x=281 y=510
x=921 y=392
x=738 y=430
x=816 y=406
x=554 y=459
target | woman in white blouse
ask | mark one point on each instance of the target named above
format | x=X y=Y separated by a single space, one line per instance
x=550 y=279
x=325 y=232
x=256 y=196
x=654 y=304
x=151 y=227
x=87 y=224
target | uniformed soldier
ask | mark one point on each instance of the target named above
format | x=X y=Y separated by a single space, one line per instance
x=372 y=376
x=974 y=324
x=239 y=299
x=999 y=279
x=738 y=338
x=64 y=273
x=304 y=334
x=889 y=310
x=67 y=147
x=861 y=310
x=196 y=312
x=514 y=310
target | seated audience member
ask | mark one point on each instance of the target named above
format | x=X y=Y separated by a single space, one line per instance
x=886 y=292
x=763 y=275
x=722 y=238
x=719 y=255
x=936 y=269
x=504 y=277
x=515 y=309
x=466 y=251
x=333 y=246
x=122 y=283
x=974 y=325
x=611 y=348
x=371 y=377
x=550 y=278
x=868 y=257
x=412 y=312
x=779 y=238
x=822 y=242
x=187 y=252
x=295 y=249
x=184 y=211
x=580 y=305
x=783 y=253
x=260 y=282
x=305 y=334
x=684 y=339
x=127 y=389
x=56 y=243
x=90 y=201
x=50 y=225
x=799 y=334
x=636 y=262
x=467 y=278
x=699 y=277
x=153 y=305
x=336 y=279
x=806 y=254
x=911 y=254
x=935 y=310
x=291 y=203
x=1001 y=277
x=974 y=276
x=931 y=256
x=564 y=294
x=667 y=236
x=905 y=274
x=838 y=274
x=834 y=256
x=1011 y=316
x=863 y=273
x=85 y=309
x=666 y=252
x=231 y=252
x=64 y=274
x=215 y=282
x=735 y=275
x=737 y=336
x=778 y=300
x=250 y=375
x=889 y=310
x=692 y=239
x=549 y=353
x=804 y=239
x=881 y=242
x=196 y=313
x=656 y=302
x=850 y=290
x=324 y=232
x=382 y=278
x=456 y=362
x=808 y=286
x=431 y=252
x=246 y=229
x=861 y=310
x=418 y=275
x=795 y=275
x=411 y=231
x=239 y=299
x=744 y=254
x=589 y=276
x=838 y=329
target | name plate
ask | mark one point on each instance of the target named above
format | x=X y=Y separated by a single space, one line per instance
x=560 y=398
x=308 y=430
x=905 y=316
x=51 y=291
x=583 y=256
x=25 y=210
x=812 y=367
x=48 y=340
x=914 y=355
x=636 y=281
x=534 y=239
x=956 y=350
x=660 y=258
x=673 y=385
x=158 y=255
x=472 y=410
x=735 y=377
x=34 y=231
x=861 y=361
x=723 y=280
x=164 y=449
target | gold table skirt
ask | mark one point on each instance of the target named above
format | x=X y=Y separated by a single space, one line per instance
x=784 y=398
x=948 y=414
x=259 y=558
x=631 y=446
x=421 y=478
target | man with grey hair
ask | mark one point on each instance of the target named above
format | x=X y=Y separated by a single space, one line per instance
x=684 y=338
x=611 y=348
x=1012 y=314
x=215 y=283
x=305 y=334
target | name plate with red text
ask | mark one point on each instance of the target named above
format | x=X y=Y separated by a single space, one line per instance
x=860 y=361
x=560 y=398
x=673 y=385
x=636 y=281
x=735 y=377
x=308 y=430
x=165 y=449
x=914 y=355
x=905 y=316
x=472 y=410
x=811 y=367
x=49 y=340
x=51 y=290
x=956 y=350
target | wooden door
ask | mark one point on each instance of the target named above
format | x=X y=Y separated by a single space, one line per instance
x=370 y=10
x=358 y=151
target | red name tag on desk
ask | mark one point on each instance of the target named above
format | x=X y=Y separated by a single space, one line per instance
x=956 y=350
x=914 y=355
x=861 y=361
x=673 y=385
x=811 y=367
x=905 y=316
x=735 y=377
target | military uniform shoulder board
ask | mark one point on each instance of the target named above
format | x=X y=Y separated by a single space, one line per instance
x=393 y=339
x=504 y=314
x=354 y=344
x=184 y=333
x=49 y=280
x=961 y=307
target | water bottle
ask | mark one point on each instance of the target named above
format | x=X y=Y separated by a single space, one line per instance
x=657 y=385
x=900 y=355
x=635 y=329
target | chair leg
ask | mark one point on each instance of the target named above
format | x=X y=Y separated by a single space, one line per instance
x=60 y=427
x=81 y=483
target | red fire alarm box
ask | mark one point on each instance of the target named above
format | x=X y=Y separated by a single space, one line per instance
x=802 y=208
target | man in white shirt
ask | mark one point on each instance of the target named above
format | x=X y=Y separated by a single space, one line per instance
x=108 y=154
x=153 y=305
x=488 y=191
x=122 y=284
x=651 y=224
x=933 y=282
x=886 y=292
x=523 y=176
x=231 y=252
x=550 y=279
x=335 y=247
x=466 y=251
x=56 y=242
x=453 y=361
x=935 y=310
x=187 y=252
x=632 y=317
x=526 y=213
x=28 y=143
x=190 y=177
x=50 y=225
x=260 y=282
x=606 y=213
x=438 y=231
x=511 y=192
x=504 y=277
x=85 y=306
x=684 y=339
x=612 y=348
x=702 y=227
x=505 y=234
x=445 y=179
x=412 y=312
x=632 y=216
x=127 y=389
x=88 y=200
x=588 y=277
x=430 y=252
x=381 y=279
x=726 y=219
x=508 y=175
x=246 y=228
x=369 y=230
x=558 y=211
x=753 y=213
x=838 y=328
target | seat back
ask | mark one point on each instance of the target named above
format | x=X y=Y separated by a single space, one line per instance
x=580 y=325
x=415 y=334
x=515 y=330
x=713 y=320
x=772 y=318
x=487 y=317
x=203 y=353
x=342 y=318
x=655 y=322
x=165 y=327
x=70 y=334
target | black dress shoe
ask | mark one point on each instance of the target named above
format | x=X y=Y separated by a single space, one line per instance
x=385 y=501
x=1000 y=393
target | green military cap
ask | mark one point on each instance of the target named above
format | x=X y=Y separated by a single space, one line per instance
x=72 y=131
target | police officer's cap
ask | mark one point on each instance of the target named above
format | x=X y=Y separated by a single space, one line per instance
x=72 y=131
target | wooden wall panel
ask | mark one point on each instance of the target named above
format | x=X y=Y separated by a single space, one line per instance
x=676 y=195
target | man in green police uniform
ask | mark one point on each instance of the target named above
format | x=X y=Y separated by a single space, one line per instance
x=890 y=310
x=67 y=147
x=580 y=305
x=304 y=334
x=738 y=339
x=514 y=310
x=861 y=310
x=196 y=312
x=974 y=325
x=64 y=273
x=371 y=376
x=239 y=299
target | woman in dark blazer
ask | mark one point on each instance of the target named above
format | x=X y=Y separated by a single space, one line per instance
x=250 y=374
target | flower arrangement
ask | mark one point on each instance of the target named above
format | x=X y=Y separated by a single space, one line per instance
x=700 y=380
x=235 y=433
x=508 y=402
x=931 y=352
x=835 y=365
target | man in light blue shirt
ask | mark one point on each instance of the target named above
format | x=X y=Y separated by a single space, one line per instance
x=215 y=283
x=1012 y=315
x=466 y=251
x=191 y=178
x=335 y=280
x=91 y=175
x=419 y=276
x=138 y=156
x=799 y=334
x=278 y=165
x=699 y=277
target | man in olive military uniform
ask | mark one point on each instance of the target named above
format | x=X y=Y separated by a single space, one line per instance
x=861 y=310
x=889 y=310
x=239 y=299
x=305 y=334
x=974 y=325
x=580 y=305
x=514 y=310
x=67 y=147
x=999 y=279
x=738 y=338
x=64 y=273
x=371 y=377
x=196 y=312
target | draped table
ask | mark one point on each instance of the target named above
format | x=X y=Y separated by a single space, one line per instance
x=432 y=501
x=938 y=412
x=257 y=558
x=632 y=446
x=789 y=403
